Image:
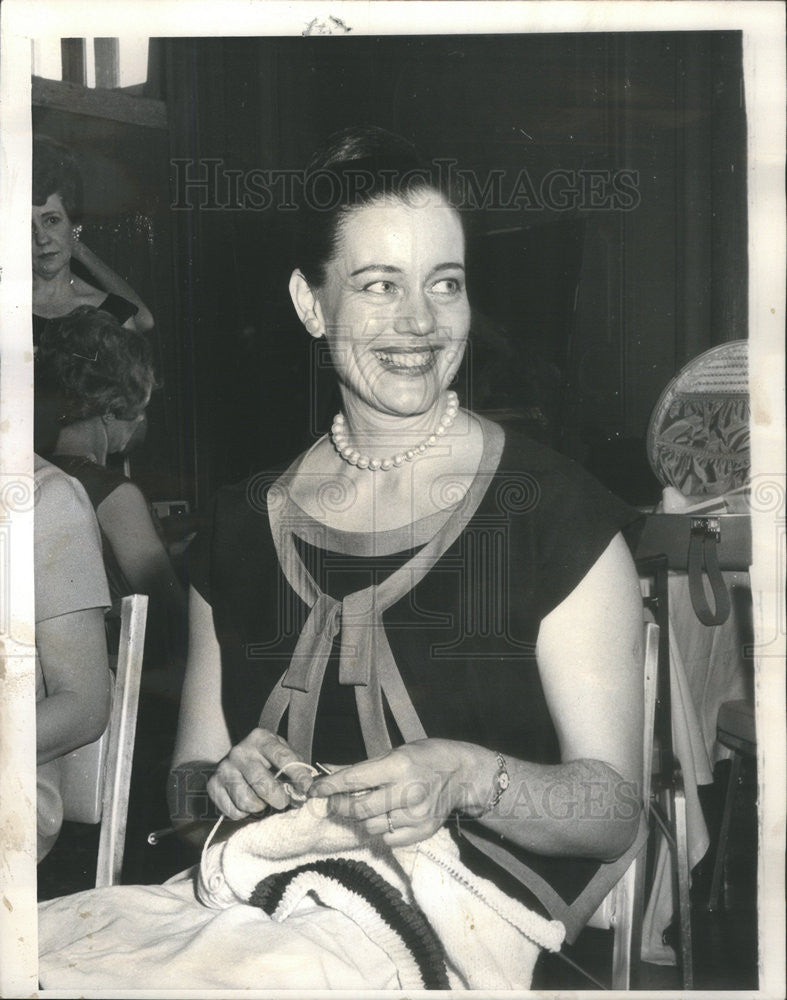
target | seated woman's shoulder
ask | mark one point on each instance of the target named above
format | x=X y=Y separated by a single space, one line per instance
x=249 y=499
x=65 y=525
x=58 y=493
x=522 y=449
x=562 y=480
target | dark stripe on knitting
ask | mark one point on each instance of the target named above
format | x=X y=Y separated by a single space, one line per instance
x=404 y=919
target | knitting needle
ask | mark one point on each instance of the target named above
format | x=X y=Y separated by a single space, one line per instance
x=359 y=794
x=157 y=835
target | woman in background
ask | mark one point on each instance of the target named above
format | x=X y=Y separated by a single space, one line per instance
x=56 y=214
x=103 y=377
x=72 y=675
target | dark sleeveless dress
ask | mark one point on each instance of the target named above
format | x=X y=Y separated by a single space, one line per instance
x=463 y=638
x=115 y=305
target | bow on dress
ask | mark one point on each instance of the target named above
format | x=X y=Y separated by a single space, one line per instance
x=365 y=660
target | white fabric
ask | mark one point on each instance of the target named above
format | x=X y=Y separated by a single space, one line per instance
x=161 y=937
x=232 y=867
x=492 y=941
x=69 y=568
x=69 y=577
x=713 y=658
x=332 y=892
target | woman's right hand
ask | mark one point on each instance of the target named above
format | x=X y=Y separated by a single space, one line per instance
x=245 y=781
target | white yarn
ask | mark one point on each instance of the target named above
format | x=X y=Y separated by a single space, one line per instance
x=331 y=892
x=230 y=871
x=217 y=891
x=491 y=940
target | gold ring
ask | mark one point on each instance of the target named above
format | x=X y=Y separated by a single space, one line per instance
x=390 y=824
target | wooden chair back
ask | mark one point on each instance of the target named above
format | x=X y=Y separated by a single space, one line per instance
x=95 y=779
x=623 y=907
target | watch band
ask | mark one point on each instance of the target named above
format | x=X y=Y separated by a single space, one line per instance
x=502 y=781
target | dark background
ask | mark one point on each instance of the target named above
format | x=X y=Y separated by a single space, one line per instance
x=582 y=315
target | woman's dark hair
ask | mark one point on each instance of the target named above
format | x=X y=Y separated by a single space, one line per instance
x=55 y=171
x=353 y=168
x=96 y=366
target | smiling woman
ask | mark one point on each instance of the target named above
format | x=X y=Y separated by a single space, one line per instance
x=437 y=609
x=449 y=675
x=394 y=311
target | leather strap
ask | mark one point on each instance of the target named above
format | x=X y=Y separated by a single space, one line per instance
x=703 y=559
x=573 y=915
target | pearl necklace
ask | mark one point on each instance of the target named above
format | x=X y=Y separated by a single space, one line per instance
x=362 y=461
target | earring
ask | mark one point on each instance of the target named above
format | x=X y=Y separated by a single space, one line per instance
x=77 y=232
x=107 y=417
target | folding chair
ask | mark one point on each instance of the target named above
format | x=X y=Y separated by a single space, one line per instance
x=95 y=779
x=735 y=730
x=622 y=908
x=668 y=799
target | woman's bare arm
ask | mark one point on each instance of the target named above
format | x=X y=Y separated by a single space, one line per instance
x=202 y=730
x=590 y=657
x=111 y=281
x=590 y=660
x=125 y=518
x=207 y=771
x=73 y=653
x=202 y=738
x=126 y=521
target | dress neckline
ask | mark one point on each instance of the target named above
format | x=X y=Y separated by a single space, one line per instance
x=365 y=658
x=388 y=541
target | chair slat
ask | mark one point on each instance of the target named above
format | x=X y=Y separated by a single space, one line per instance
x=122 y=731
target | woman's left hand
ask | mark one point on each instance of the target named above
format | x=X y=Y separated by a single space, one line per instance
x=407 y=794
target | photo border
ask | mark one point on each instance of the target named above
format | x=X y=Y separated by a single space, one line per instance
x=762 y=24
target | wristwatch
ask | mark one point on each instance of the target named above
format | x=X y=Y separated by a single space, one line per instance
x=502 y=781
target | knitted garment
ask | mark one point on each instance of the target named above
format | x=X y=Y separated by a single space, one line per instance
x=356 y=889
x=405 y=899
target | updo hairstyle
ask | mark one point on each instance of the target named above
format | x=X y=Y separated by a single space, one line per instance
x=55 y=171
x=355 y=167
